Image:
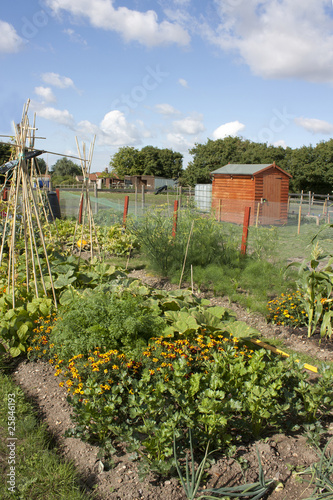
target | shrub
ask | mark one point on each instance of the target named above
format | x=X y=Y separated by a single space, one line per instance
x=105 y=319
x=166 y=253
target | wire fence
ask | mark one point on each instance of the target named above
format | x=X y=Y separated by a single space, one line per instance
x=108 y=207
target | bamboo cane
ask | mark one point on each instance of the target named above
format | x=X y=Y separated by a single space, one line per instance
x=33 y=246
x=42 y=239
x=187 y=247
x=299 y=219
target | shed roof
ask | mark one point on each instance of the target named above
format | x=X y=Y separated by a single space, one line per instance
x=242 y=168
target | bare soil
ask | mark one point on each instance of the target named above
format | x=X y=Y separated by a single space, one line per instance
x=281 y=455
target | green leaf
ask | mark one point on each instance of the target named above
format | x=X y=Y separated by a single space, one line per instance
x=64 y=280
x=240 y=329
x=14 y=352
x=220 y=312
x=22 y=331
x=10 y=314
x=194 y=384
x=45 y=307
x=32 y=307
x=172 y=304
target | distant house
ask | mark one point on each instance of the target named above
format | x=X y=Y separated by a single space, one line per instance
x=263 y=187
x=150 y=182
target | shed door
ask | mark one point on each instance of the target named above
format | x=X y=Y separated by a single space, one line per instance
x=271 y=208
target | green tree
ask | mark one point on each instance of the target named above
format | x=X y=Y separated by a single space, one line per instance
x=161 y=162
x=127 y=161
x=65 y=167
x=211 y=156
x=215 y=154
x=5 y=152
x=149 y=161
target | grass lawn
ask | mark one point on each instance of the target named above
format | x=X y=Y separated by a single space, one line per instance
x=31 y=461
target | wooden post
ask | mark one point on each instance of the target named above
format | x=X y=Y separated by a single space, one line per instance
x=247 y=214
x=299 y=219
x=220 y=210
x=258 y=212
x=81 y=209
x=136 y=199
x=58 y=194
x=143 y=197
x=125 y=210
x=188 y=244
x=175 y=216
x=324 y=206
x=309 y=202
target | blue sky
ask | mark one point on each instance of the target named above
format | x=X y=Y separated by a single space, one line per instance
x=167 y=73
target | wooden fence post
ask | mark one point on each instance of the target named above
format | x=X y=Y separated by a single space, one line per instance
x=245 y=229
x=175 y=216
x=58 y=194
x=143 y=198
x=125 y=210
x=299 y=219
x=81 y=209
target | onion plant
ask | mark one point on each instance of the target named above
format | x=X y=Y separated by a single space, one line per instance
x=191 y=481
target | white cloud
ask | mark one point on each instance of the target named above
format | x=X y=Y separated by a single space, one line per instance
x=63 y=117
x=131 y=24
x=166 y=109
x=177 y=142
x=10 y=41
x=117 y=131
x=75 y=37
x=183 y=82
x=278 y=38
x=314 y=125
x=86 y=129
x=230 y=128
x=191 y=125
x=45 y=93
x=56 y=80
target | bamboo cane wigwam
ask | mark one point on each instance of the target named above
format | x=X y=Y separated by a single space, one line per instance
x=26 y=216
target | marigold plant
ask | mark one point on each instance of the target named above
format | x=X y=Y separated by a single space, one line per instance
x=287 y=310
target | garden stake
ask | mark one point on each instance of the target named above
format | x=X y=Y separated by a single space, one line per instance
x=175 y=217
x=299 y=219
x=245 y=229
x=278 y=351
x=125 y=210
x=85 y=167
x=188 y=243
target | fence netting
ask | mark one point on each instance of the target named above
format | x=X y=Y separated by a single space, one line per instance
x=108 y=207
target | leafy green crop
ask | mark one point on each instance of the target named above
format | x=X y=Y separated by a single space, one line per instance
x=16 y=324
x=107 y=320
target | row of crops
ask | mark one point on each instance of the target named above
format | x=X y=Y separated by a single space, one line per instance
x=121 y=347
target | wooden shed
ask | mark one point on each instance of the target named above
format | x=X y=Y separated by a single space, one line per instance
x=263 y=187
